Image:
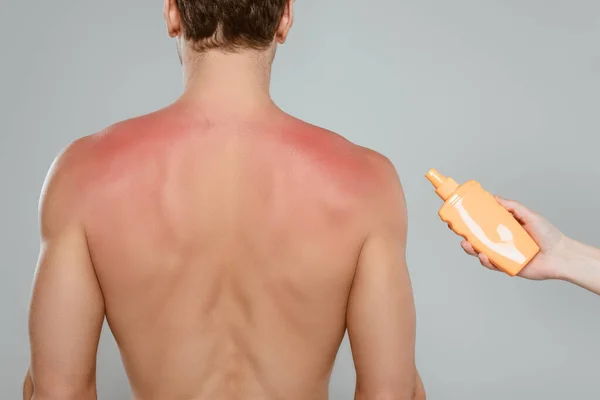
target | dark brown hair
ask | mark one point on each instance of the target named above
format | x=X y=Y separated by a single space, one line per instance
x=230 y=25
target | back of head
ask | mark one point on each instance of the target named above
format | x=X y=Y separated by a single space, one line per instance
x=230 y=25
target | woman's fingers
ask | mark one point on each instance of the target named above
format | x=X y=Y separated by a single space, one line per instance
x=468 y=248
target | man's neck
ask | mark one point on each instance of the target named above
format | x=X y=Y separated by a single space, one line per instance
x=222 y=82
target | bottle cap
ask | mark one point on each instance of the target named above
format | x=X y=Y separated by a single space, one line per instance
x=444 y=186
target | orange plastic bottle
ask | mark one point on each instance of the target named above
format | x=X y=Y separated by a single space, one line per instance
x=474 y=214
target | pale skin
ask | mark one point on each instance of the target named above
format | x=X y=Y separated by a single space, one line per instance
x=560 y=257
x=228 y=245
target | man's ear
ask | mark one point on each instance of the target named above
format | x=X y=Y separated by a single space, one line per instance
x=172 y=17
x=287 y=20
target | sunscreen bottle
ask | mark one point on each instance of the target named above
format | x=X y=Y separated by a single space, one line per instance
x=474 y=214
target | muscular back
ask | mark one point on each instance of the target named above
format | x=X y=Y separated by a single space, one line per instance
x=226 y=250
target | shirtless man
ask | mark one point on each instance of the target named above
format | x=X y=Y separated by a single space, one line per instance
x=228 y=244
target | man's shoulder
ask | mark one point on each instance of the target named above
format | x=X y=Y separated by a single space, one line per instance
x=75 y=164
x=368 y=174
x=107 y=142
x=63 y=192
x=375 y=166
x=326 y=140
x=75 y=158
x=385 y=188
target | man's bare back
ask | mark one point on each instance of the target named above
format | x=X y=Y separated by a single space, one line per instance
x=229 y=245
x=224 y=253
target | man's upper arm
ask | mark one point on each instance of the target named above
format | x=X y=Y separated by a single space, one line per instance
x=381 y=313
x=67 y=307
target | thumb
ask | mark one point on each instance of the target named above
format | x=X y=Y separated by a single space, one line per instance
x=520 y=212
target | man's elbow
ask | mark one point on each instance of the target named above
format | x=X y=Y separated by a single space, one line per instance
x=27 y=387
x=417 y=394
x=419 y=389
x=420 y=393
x=63 y=393
x=407 y=392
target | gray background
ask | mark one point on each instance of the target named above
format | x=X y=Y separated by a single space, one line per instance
x=504 y=92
